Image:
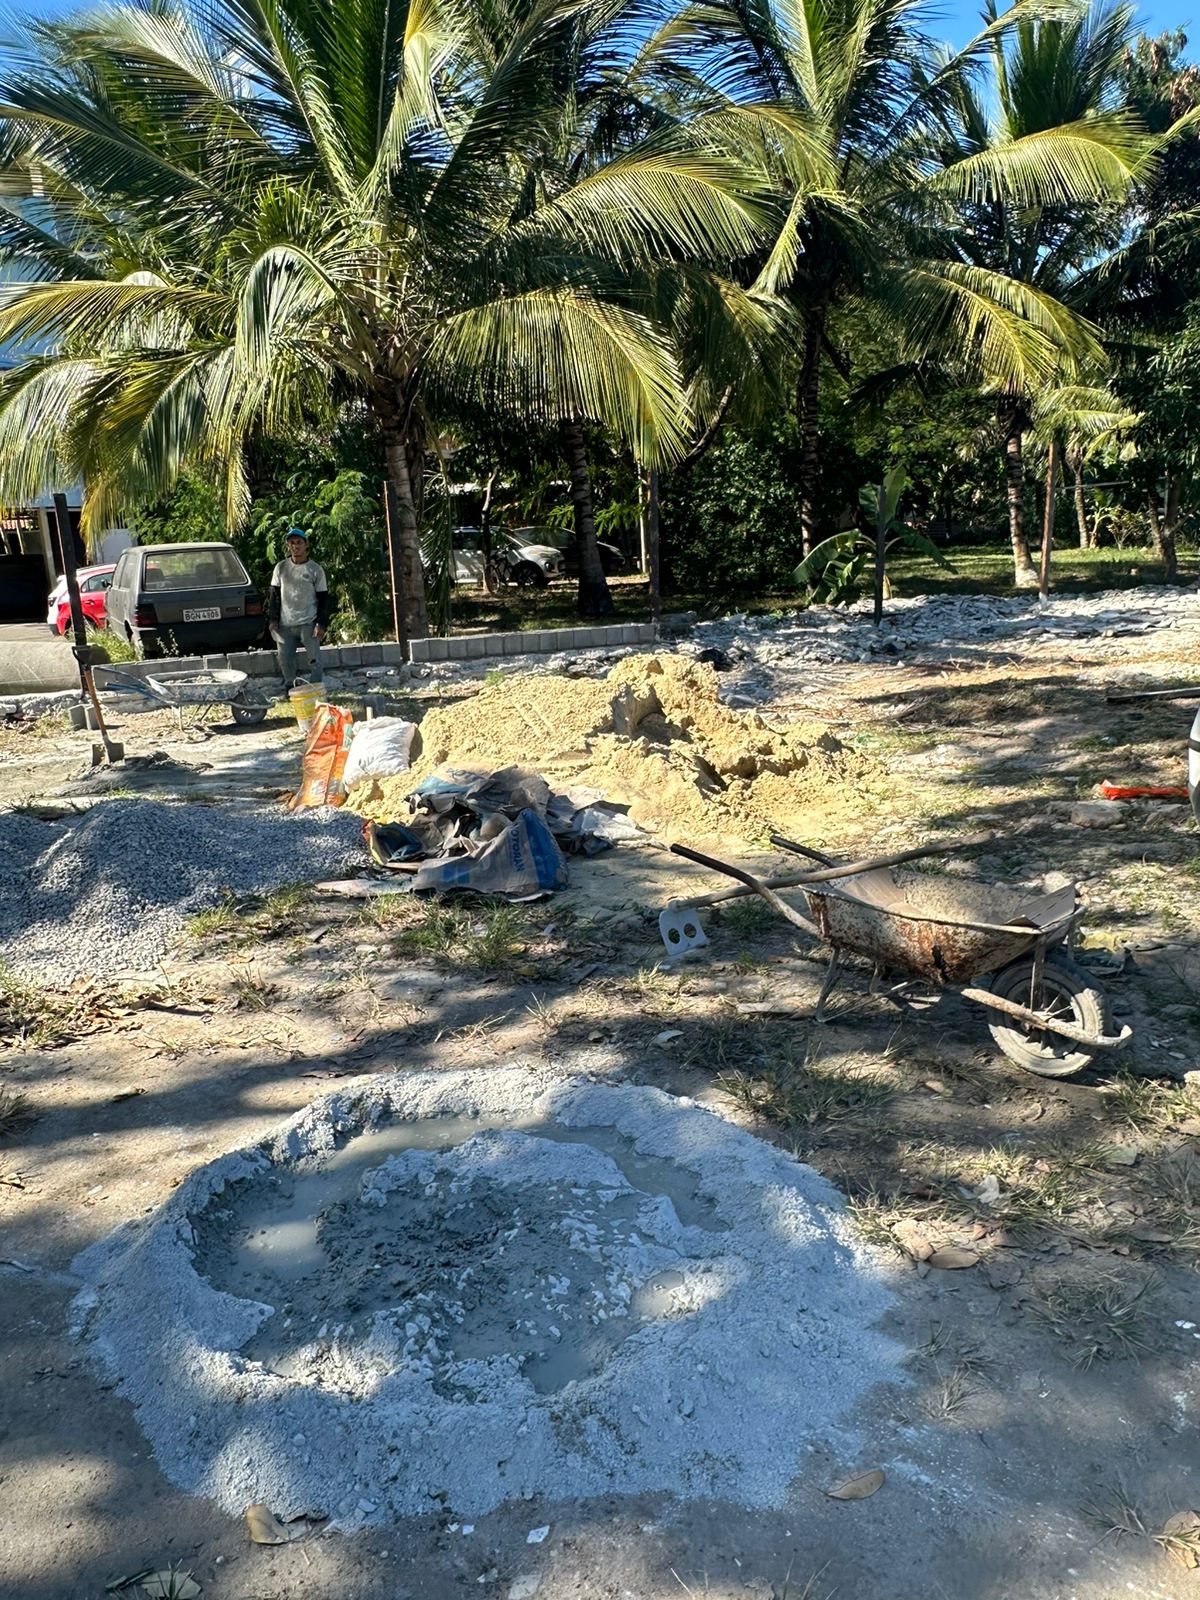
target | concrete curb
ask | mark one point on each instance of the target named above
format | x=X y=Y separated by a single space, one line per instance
x=537 y=641
x=354 y=657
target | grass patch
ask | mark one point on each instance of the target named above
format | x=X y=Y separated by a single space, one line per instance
x=15 y=1111
x=252 y=993
x=1113 y=1511
x=490 y=937
x=801 y=1094
x=748 y=918
x=111 y=646
x=1103 y=1319
x=253 y=918
x=35 y=1018
x=1148 y=1103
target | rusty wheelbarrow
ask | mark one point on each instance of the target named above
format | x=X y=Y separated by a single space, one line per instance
x=1045 y=1012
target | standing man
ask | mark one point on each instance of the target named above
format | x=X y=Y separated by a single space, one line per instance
x=298 y=608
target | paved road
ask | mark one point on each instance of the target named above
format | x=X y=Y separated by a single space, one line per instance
x=32 y=661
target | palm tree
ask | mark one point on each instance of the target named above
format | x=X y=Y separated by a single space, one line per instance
x=1053 y=84
x=287 y=202
x=880 y=150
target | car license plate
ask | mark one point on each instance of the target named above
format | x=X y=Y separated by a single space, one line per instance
x=202 y=613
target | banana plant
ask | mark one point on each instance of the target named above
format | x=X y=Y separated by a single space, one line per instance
x=837 y=570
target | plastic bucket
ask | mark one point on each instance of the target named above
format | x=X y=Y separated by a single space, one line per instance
x=304 y=702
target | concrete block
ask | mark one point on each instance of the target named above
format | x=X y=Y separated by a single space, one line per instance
x=493 y=644
x=370 y=655
x=80 y=716
x=216 y=663
x=439 y=649
x=262 y=664
x=242 y=660
x=419 y=649
x=559 y=639
x=472 y=648
x=351 y=655
x=514 y=644
x=393 y=653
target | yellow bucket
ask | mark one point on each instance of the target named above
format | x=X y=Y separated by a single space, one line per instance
x=304 y=702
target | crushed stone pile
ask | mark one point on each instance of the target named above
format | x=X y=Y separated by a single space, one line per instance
x=112 y=889
x=652 y=735
x=461 y=1289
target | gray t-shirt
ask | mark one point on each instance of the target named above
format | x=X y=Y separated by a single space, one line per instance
x=299 y=583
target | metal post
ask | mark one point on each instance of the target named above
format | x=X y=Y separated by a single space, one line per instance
x=80 y=650
x=653 y=550
x=1048 y=521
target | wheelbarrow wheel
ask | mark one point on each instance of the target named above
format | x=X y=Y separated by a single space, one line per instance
x=1068 y=994
x=251 y=706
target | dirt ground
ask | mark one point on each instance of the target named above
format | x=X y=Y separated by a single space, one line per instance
x=1047 y=1427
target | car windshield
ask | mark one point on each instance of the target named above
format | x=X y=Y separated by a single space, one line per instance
x=192 y=569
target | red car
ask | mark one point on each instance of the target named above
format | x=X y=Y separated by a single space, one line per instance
x=94 y=584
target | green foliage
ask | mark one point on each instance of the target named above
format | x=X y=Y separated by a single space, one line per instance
x=731 y=523
x=343 y=517
x=191 y=513
x=840 y=568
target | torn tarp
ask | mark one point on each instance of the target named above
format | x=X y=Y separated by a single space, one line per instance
x=497 y=833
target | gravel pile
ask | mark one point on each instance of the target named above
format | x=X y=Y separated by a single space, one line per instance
x=112 y=889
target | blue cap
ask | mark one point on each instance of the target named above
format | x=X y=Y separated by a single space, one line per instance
x=297 y=533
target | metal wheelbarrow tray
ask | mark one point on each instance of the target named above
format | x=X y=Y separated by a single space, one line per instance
x=1045 y=1012
x=196 y=692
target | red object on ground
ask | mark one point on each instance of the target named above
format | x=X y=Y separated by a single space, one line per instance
x=1113 y=791
x=93 y=592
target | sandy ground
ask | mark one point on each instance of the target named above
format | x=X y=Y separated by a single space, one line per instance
x=1052 y=1392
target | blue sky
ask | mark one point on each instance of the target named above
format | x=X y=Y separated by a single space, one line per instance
x=957 y=20
x=953 y=20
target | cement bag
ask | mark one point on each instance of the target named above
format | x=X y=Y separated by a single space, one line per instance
x=521 y=863
x=378 y=749
x=322 y=781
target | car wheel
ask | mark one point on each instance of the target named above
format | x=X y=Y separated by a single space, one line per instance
x=529 y=576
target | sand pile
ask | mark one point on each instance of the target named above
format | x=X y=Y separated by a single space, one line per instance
x=654 y=736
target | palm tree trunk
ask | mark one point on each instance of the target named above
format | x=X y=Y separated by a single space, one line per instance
x=808 y=389
x=406 y=536
x=1081 y=522
x=1024 y=573
x=1163 y=530
x=594 y=598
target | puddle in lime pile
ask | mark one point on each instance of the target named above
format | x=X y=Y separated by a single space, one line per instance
x=464 y=1249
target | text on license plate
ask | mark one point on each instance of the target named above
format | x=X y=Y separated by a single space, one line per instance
x=202 y=613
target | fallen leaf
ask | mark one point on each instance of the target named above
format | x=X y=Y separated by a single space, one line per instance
x=951 y=1258
x=263 y=1526
x=858 y=1488
x=171 y=1585
x=667 y=1035
x=126 y=1094
x=934 y=1085
x=1189 y=1125
x=117 y=1584
x=1183 y=1527
x=911 y=1239
x=1119 y=1155
x=14 y=1180
x=1035 y=1111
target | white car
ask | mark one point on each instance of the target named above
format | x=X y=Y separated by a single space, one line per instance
x=527 y=565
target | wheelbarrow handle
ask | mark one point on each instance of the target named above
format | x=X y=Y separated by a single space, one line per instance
x=1066 y=1030
x=847 y=869
x=755 y=885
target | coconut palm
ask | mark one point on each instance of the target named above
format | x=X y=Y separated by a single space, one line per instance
x=881 y=150
x=276 y=204
x=1046 y=81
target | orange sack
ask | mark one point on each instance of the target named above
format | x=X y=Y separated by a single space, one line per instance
x=325 y=751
